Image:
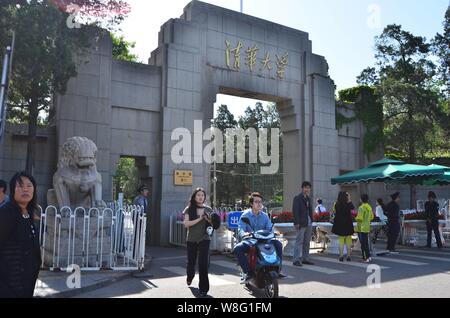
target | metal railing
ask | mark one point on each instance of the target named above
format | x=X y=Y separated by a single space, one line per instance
x=177 y=231
x=221 y=240
x=94 y=239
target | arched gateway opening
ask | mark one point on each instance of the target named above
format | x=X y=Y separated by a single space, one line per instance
x=258 y=122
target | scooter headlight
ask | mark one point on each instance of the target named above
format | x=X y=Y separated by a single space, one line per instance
x=264 y=237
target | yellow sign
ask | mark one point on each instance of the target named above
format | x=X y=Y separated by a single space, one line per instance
x=183 y=177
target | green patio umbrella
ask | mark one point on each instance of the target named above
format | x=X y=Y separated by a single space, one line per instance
x=414 y=170
x=441 y=179
x=388 y=170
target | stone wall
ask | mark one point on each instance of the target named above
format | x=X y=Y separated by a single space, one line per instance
x=135 y=126
x=351 y=157
x=13 y=156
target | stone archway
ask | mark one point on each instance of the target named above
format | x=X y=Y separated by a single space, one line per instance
x=198 y=57
x=132 y=108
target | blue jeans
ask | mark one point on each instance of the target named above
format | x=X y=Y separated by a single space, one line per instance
x=364 y=240
x=241 y=249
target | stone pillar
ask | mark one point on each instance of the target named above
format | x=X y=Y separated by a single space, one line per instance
x=85 y=109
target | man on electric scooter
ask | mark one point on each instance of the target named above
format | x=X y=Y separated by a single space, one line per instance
x=258 y=221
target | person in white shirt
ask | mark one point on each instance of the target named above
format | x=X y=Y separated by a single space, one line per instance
x=379 y=211
x=380 y=217
x=320 y=208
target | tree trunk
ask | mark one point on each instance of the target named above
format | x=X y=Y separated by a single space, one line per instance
x=412 y=195
x=412 y=159
x=32 y=132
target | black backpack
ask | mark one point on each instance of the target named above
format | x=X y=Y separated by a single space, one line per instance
x=215 y=220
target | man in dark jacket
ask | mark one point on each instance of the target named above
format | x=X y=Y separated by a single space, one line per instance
x=432 y=215
x=393 y=215
x=303 y=217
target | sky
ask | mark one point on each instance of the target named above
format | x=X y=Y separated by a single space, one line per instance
x=341 y=30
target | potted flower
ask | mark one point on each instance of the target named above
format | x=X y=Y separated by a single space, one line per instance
x=283 y=217
x=322 y=217
x=419 y=216
x=415 y=227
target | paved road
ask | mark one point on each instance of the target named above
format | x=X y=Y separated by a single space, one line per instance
x=415 y=272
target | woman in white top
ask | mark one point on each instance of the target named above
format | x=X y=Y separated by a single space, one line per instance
x=379 y=211
x=320 y=208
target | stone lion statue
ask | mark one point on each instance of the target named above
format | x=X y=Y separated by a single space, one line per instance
x=77 y=182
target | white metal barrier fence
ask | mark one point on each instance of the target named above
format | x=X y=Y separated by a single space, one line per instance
x=106 y=238
x=221 y=240
x=177 y=231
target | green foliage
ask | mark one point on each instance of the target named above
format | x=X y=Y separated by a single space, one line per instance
x=46 y=55
x=258 y=117
x=341 y=120
x=121 y=49
x=236 y=181
x=410 y=90
x=368 y=77
x=224 y=119
x=278 y=198
x=368 y=109
x=126 y=179
x=441 y=49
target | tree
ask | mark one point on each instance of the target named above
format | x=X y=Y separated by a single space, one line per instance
x=224 y=119
x=258 y=117
x=407 y=88
x=126 y=179
x=404 y=80
x=441 y=48
x=253 y=117
x=368 y=77
x=272 y=118
x=103 y=13
x=121 y=49
x=45 y=53
x=237 y=180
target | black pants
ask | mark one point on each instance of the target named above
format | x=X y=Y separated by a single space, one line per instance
x=434 y=225
x=364 y=240
x=202 y=249
x=393 y=232
x=384 y=229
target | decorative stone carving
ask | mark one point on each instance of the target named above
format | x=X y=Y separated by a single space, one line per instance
x=77 y=183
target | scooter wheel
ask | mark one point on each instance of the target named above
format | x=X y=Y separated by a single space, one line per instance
x=271 y=288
